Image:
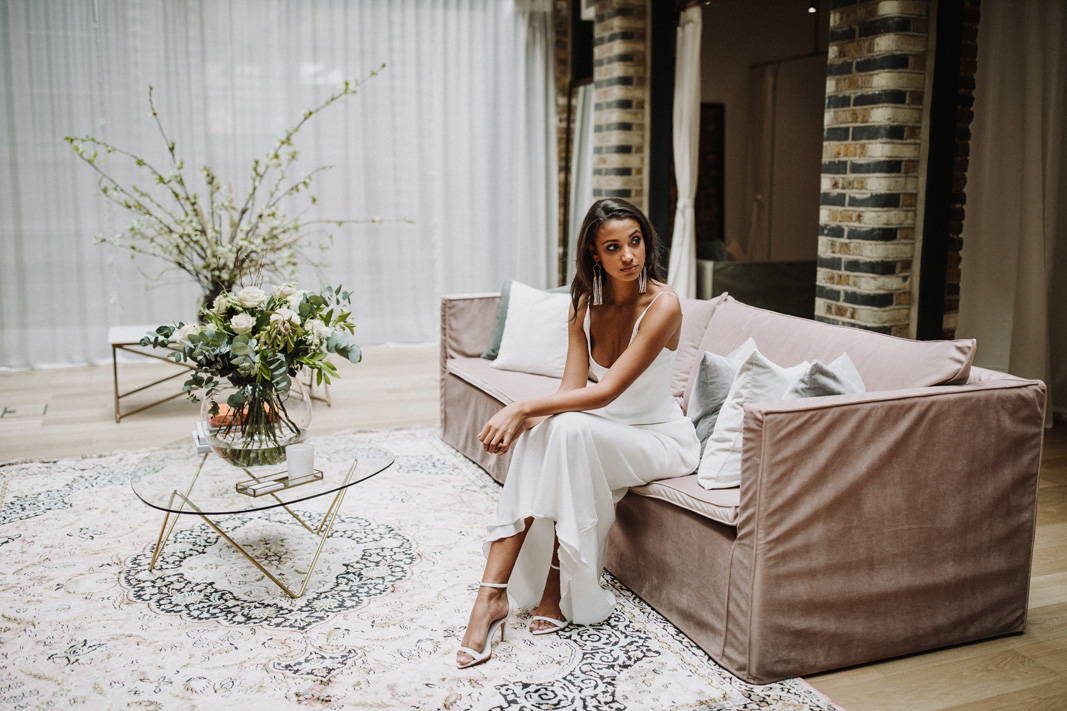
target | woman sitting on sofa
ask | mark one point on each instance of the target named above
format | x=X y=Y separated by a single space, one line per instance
x=586 y=444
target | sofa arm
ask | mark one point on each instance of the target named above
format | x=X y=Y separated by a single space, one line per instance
x=467 y=322
x=884 y=523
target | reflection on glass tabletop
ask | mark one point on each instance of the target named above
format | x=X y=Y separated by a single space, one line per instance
x=165 y=477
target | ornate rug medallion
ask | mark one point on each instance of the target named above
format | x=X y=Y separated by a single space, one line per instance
x=200 y=577
x=82 y=620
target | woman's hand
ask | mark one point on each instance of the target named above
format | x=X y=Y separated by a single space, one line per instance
x=502 y=428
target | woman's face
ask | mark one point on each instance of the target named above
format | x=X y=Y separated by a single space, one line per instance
x=620 y=248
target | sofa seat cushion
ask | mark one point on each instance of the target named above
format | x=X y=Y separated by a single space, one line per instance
x=884 y=362
x=684 y=491
x=507 y=386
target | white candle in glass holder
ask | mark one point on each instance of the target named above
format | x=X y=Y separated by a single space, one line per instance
x=300 y=459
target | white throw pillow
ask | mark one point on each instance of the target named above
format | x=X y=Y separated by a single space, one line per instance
x=715 y=375
x=757 y=379
x=535 y=332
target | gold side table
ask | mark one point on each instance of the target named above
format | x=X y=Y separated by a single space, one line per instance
x=128 y=339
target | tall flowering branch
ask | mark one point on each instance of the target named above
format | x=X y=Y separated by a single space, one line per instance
x=214 y=237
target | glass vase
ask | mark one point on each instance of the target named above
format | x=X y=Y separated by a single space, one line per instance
x=251 y=425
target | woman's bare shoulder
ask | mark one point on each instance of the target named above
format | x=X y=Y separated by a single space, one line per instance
x=666 y=297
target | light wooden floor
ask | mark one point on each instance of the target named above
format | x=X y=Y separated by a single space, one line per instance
x=67 y=412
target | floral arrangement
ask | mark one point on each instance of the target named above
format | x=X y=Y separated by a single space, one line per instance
x=213 y=236
x=251 y=344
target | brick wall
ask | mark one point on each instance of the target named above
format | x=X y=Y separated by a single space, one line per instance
x=561 y=26
x=620 y=95
x=876 y=74
x=964 y=116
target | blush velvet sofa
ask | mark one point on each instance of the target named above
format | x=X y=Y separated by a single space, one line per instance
x=866 y=526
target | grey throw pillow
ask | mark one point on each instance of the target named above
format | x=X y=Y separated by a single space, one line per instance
x=501 y=318
x=715 y=375
x=837 y=378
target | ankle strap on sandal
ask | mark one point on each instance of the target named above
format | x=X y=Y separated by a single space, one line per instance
x=492 y=585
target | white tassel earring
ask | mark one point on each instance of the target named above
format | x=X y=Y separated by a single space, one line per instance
x=598 y=285
x=642 y=281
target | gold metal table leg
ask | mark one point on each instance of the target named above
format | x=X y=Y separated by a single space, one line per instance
x=127 y=347
x=115 y=379
x=171 y=517
x=322 y=531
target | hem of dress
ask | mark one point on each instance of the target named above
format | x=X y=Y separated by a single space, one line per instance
x=515 y=526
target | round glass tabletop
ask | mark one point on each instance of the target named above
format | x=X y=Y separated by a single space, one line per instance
x=184 y=481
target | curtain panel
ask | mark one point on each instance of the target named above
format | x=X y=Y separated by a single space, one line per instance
x=581 y=172
x=456 y=133
x=757 y=243
x=682 y=268
x=1013 y=281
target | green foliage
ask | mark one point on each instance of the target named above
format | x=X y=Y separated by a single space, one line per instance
x=263 y=346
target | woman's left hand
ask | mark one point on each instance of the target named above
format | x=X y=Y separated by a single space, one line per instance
x=502 y=429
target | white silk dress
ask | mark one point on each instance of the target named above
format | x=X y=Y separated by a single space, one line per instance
x=573 y=468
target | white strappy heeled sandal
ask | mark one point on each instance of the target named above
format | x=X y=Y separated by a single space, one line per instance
x=487 y=648
x=557 y=625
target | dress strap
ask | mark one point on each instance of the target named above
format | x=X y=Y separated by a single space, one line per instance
x=638 y=321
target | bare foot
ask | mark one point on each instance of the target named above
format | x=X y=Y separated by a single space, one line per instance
x=491 y=604
x=549 y=605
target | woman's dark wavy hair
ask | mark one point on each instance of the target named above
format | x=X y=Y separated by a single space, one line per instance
x=600 y=212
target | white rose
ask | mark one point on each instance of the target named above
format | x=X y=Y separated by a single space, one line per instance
x=251 y=296
x=242 y=323
x=284 y=290
x=182 y=334
x=284 y=314
x=320 y=329
x=221 y=302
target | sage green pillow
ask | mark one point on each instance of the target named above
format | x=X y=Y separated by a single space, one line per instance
x=502 y=315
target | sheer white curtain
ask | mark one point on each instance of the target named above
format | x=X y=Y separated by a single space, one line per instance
x=456 y=133
x=581 y=177
x=1013 y=286
x=681 y=273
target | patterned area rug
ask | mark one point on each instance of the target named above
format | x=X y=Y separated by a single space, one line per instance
x=84 y=622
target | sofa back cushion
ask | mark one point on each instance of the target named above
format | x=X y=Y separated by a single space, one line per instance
x=695 y=316
x=884 y=362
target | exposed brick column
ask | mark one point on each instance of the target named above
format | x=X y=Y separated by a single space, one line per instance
x=964 y=116
x=876 y=74
x=620 y=96
x=561 y=25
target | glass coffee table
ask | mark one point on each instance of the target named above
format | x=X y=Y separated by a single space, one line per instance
x=184 y=482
